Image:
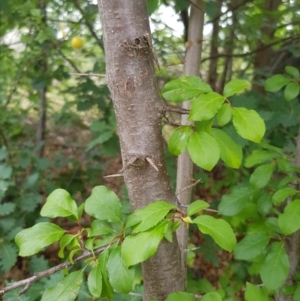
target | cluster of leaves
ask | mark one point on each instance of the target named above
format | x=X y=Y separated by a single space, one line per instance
x=267 y=207
x=205 y=143
x=290 y=82
x=130 y=241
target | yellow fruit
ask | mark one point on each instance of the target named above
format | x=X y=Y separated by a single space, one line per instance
x=77 y=43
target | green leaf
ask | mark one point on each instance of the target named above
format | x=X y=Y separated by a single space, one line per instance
x=248 y=124
x=275 y=269
x=100 y=228
x=235 y=86
x=233 y=203
x=60 y=204
x=230 y=152
x=204 y=126
x=178 y=141
x=32 y=240
x=259 y=156
x=104 y=205
x=142 y=246
x=261 y=176
x=184 y=88
x=6 y=171
x=292 y=71
x=289 y=220
x=264 y=203
x=255 y=293
x=152 y=6
x=291 y=91
x=152 y=214
x=94 y=281
x=251 y=246
x=196 y=206
x=66 y=290
x=224 y=114
x=9 y=254
x=7 y=208
x=205 y=106
x=120 y=277
x=204 y=150
x=182 y=296
x=282 y=194
x=107 y=290
x=211 y=297
x=70 y=241
x=296 y=296
x=218 y=229
x=276 y=82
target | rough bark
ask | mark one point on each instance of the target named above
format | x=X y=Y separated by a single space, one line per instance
x=131 y=79
x=184 y=163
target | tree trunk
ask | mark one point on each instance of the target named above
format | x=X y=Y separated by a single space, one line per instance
x=214 y=52
x=263 y=57
x=41 y=128
x=131 y=79
x=184 y=163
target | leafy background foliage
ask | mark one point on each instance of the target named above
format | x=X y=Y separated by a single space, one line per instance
x=81 y=143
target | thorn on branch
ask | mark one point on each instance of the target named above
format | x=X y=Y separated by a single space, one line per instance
x=151 y=163
x=88 y=74
x=189 y=186
x=114 y=175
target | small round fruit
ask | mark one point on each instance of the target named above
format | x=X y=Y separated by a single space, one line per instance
x=77 y=43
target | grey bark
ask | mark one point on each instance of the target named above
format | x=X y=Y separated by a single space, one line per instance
x=131 y=79
x=184 y=163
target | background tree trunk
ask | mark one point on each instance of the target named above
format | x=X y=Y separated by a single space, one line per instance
x=131 y=79
x=184 y=163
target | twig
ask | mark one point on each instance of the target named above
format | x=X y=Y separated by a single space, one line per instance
x=29 y=281
x=189 y=186
x=89 y=25
x=176 y=110
x=192 y=249
x=211 y=210
x=88 y=74
x=252 y=51
x=171 y=122
x=195 y=5
x=69 y=61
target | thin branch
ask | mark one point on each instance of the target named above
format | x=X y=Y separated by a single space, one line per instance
x=69 y=61
x=189 y=186
x=89 y=25
x=253 y=51
x=176 y=110
x=171 y=122
x=29 y=281
x=211 y=210
x=191 y=2
x=230 y=9
x=88 y=74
